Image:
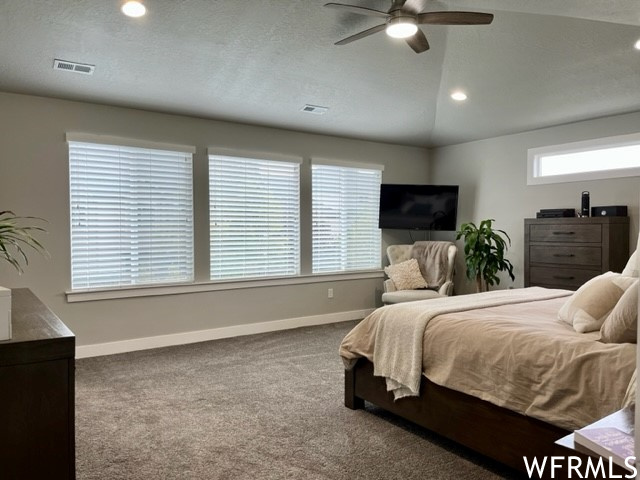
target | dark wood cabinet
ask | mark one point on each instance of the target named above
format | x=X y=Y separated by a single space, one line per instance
x=566 y=252
x=37 y=424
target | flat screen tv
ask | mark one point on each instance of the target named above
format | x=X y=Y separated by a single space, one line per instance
x=418 y=207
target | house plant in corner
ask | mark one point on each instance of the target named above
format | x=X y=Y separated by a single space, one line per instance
x=15 y=240
x=484 y=249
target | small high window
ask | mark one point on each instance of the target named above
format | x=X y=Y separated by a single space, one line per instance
x=590 y=160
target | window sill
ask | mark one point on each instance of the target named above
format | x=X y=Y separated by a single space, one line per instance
x=177 y=289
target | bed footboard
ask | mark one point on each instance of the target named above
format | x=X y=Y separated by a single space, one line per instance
x=350 y=399
x=498 y=433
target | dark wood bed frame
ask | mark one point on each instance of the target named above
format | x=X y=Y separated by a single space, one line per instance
x=493 y=431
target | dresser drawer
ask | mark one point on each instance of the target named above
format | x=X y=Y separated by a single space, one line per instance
x=566 y=252
x=566 y=255
x=570 y=278
x=566 y=233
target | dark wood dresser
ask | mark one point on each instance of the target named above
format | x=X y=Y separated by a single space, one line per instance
x=566 y=252
x=37 y=424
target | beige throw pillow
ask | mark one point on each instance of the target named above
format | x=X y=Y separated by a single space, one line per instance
x=590 y=305
x=631 y=268
x=406 y=275
x=621 y=326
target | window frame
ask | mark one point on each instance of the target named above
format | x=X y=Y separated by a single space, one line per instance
x=534 y=156
x=199 y=285
x=260 y=157
x=352 y=165
x=117 y=142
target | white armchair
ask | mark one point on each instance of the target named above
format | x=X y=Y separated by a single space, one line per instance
x=400 y=253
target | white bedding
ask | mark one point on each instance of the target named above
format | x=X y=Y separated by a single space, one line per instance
x=518 y=356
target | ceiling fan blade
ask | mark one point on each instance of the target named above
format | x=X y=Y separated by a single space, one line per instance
x=358 y=10
x=418 y=42
x=397 y=5
x=363 y=34
x=455 y=18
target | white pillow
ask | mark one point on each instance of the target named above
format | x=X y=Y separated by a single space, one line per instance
x=406 y=275
x=621 y=326
x=631 y=268
x=592 y=303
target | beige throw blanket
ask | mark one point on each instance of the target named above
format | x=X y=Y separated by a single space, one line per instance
x=397 y=332
x=432 y=259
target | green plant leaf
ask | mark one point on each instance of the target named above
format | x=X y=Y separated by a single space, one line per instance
x=484 y=249
x=14 y=238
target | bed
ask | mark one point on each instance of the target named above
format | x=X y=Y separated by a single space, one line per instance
x=496 y=372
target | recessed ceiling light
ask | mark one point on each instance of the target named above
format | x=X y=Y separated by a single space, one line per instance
x=637 y=45
x=401 y=27
x=459 y=96
x=134 y=9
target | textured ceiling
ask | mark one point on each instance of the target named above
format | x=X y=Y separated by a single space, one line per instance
x=540 y=63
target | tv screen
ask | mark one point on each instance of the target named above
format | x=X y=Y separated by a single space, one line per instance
x=418 y=207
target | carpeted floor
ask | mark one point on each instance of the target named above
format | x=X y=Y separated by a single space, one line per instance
x=265 y=406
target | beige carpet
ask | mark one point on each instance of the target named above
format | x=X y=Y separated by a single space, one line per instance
x=258 y=407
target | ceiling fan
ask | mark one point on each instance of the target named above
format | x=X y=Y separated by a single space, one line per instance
x=403 y=23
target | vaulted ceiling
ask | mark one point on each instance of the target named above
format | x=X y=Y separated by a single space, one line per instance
x=540 y=63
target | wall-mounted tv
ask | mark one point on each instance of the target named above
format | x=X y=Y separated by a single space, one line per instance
x=418 y=207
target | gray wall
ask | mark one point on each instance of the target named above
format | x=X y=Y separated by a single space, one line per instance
x=34 y=181
x=492 y=175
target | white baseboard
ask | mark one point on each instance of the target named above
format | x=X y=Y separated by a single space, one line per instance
x=123 y=346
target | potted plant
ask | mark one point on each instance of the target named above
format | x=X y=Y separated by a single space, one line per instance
x=484 y=249
x=15 y=238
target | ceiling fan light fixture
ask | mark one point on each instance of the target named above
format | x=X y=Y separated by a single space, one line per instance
x=401 y=27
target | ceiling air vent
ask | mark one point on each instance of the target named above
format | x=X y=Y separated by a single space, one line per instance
x=74 y=67
x=315 y=109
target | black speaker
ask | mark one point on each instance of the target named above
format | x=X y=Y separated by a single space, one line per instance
x=611 y=211
x=585 y=204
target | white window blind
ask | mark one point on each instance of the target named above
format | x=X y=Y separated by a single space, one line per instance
x=345 y=218
x=131 y=215
x=254 y=216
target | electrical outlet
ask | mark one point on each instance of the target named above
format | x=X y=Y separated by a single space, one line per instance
x=330 y=293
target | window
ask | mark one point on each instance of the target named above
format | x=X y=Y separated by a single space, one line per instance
x=345 y=207
x=254 y=217
x=590 y=160
x=131 y=213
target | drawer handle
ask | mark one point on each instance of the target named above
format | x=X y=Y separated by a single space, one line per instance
x=564 y=233
x=568 y=255
x=560 y=277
